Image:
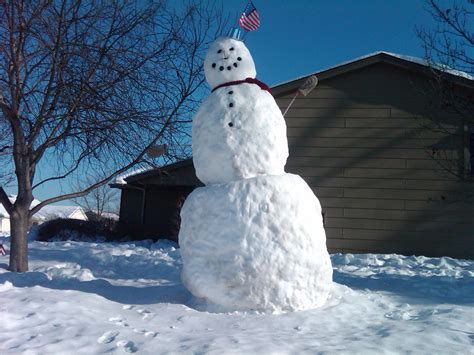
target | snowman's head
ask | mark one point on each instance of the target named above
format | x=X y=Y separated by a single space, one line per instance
x=228 y=60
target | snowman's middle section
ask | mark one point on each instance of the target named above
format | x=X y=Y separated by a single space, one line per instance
x=257 y=244
x=239 y=133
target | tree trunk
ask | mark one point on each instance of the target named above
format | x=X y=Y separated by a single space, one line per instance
x=19 y=220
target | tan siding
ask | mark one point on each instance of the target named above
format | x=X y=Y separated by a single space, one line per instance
x=355 y=182
x=333 y=212
x=376 y=123
x=329 y=192
x=360 y=153
x=361 y=141
x=402 y=215
x=340 y=112
x=458 y=205
x=317 y=122
x=317 y=171
x=347 y=132
x=423 y=146
x=333 y=232
x=392 y=194
x=294 y=162
x=403 y=235
x=427 y=174
x=362 y=203
x=373 y=223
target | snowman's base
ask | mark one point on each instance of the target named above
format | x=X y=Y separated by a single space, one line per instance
x=256 y=244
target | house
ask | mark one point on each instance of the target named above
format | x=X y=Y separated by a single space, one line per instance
x=45 y=214
x=387 y=155
x=57 y=211
x=4 y=222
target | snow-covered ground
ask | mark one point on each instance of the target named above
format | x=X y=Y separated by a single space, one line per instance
x=94 y=298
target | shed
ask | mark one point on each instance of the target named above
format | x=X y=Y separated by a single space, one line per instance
x=151 y=200
x=390 y=161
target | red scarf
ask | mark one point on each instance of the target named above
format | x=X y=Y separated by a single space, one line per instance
x=263 y=86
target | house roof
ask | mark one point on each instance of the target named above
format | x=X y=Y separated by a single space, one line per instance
x=407 y=62
x=166 y=168
x=148 y=173
x=121 y=179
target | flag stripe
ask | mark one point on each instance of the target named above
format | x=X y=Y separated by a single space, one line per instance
x=253 y=14
x=249 y=22
x=253 y=20
x=250 y=19
x=247 y=25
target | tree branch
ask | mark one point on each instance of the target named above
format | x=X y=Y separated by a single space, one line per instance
x=5 y=201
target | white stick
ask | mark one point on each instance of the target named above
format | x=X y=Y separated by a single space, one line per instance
x=291 y=103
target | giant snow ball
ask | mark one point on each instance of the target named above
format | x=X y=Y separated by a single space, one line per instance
x=228 y=60
x=253 y=237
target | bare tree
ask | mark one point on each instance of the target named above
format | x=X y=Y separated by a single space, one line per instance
x=449 y=50
x=6 y=175
x=92 y=85
x=100 y=200
x=450 y=45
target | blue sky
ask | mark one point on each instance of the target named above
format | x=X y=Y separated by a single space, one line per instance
x=303 y=36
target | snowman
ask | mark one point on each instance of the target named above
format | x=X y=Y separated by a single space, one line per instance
x=252 y=238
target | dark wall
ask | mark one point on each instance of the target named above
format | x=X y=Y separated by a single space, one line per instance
x=162 y=211
x=131 y=207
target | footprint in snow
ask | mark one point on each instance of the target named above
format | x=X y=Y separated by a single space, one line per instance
x=151 y=334
x=118 y=321
x=146 y=333
x=145 y=313
x=127 y=345
x=108 y=337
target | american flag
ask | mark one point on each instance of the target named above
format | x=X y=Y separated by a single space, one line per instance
x=249 y=20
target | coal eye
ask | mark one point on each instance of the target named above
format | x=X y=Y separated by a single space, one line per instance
x=231 y=49
x=219 y=51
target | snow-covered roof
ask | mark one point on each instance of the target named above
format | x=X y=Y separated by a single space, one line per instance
x=121 y=178
x=47 y=212
x=132 y=175
x=426 y=63
x=56 y=211
x=407 y=58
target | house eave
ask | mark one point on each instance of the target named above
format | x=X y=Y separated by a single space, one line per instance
x=294 y=84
